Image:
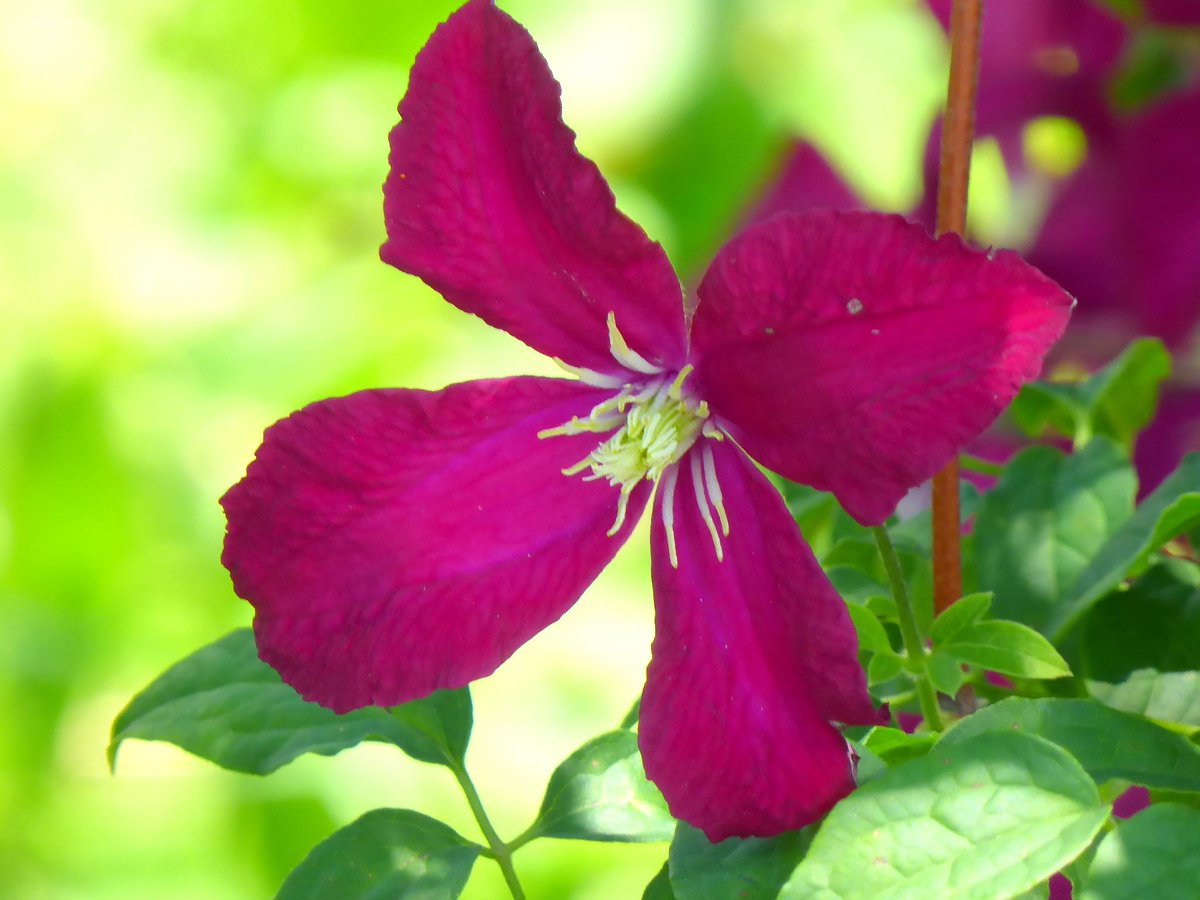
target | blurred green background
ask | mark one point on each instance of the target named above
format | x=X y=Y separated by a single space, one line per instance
x=190 y=213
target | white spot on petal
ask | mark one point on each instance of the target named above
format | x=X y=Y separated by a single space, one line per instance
x=854 y=306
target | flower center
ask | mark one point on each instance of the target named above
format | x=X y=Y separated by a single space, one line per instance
x=654 y=424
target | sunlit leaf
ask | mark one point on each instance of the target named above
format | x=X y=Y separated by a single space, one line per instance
x=1171 y=509
x=1009 y=648
x=224 y=704
x=1117 y=402
x=988 y=818
x=385 y=855
x=1042 y=523
x=958 y=615
x=1108 y=744
x=1154 y=854
x=600 y=793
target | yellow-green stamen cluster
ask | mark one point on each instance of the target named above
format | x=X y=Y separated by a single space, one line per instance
x=654 y=424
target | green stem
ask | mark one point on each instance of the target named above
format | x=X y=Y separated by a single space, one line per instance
x=913 y=643
x=500 y=851
x=977 y=464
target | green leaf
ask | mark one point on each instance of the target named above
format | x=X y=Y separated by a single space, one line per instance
x=894 y=746
x=1107 y=743
x=385 y=855
x=631 y=717
x=1117 y=402
x=883 y=667
x=1165 y=696
x=1045 y=519
x=437 y=728
x=659 y=887
x=1171 y=509
x=1155 y=624
x=1009 y=648
x=988 y=818
x=746 y=868
x=224 y=704
x=600 y=793
x=1154 y=854
x=871 y=634
x=958 y=615
x=946 y=672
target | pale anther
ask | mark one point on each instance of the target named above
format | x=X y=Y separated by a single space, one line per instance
x=702 y=505
x=590 y=376
x=713 y=487
x=668 y=512
x=624 y=354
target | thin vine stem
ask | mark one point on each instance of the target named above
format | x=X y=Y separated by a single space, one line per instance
x=498 y=850
x=914 y=644
x=958 y=132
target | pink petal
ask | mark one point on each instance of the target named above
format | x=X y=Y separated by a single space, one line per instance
x=852 y=352
x=396 y=542
x=1173 y=12
x=752 y=659
x=489 y=203
x=807 y=181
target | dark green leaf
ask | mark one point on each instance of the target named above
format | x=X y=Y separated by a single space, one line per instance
x=600 y=793
x=1107 y=743
x=1155 y=624
x=1117 y=402
x=745 y=868
x=1009 y=648
x=1165 y=696
x=988 y=818
x=1156 y=854
x=963 y=612
x=895 y=746
x=659 y=887
x=1043 y=521
x=1171 y=509
x=385 y=855
x=437 y=727
x=224 y=704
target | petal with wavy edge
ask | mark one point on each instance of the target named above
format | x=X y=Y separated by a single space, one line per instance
x=489 y=203
x=852 y=352
x=397 y=542
x=753 y=657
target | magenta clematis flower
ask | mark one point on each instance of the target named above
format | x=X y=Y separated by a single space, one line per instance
x=397 y=542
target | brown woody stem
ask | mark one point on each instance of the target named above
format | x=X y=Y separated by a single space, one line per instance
x=958 y=133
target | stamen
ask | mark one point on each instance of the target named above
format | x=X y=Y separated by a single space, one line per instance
x=668 y=512
x=714 y=488
x=624 y=354
x=675 y=391
x=622 y=504
x=702 y=503
x=590 y=376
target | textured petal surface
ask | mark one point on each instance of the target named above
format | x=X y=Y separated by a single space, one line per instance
x=396 y=542
x=852 y=352
x=753 y=657
x=489 y=202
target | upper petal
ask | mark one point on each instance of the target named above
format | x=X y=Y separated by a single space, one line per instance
x=397 y=542
x=852 y=352
x=753 y=657
x=489 y=203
